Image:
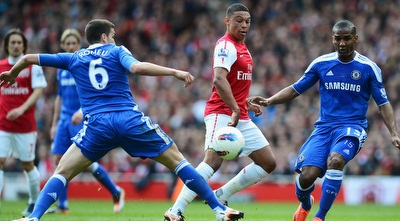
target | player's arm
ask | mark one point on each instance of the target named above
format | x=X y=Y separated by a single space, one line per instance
x=286 y=94
x=77 y=117
x=150 y=69
x=386 y=112
x=17 y=112
x=56 y=116
x=8 y=77
x=223 y=87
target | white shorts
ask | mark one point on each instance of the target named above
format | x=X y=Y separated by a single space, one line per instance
x=21 y=145
x=253 y=136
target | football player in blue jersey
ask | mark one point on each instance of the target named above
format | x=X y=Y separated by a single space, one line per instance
x=67 y=121
x=347 y=80
x=111 y=116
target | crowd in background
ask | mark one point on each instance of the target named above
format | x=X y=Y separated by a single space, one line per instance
x=285 y=36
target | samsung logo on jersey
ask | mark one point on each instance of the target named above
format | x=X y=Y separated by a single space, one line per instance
x=342 y=86
x=98 y=52
x=67 y=82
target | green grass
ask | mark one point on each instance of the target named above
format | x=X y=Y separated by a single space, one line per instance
x=153 y=211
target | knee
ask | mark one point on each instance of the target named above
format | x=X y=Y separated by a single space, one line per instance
x=2 y=162
x=27 y=166
x=213 y=160
x=308 y=176
x=269 y=166
x=336 y=161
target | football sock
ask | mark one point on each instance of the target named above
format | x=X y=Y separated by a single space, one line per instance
x=330 y=189
x=33 y=178
x=102 y=176
x=187 y=195
x=192 y=179
x=49 y=194
x=63 y=198
x=304 y=195
x=1 y=181
x=248 y=176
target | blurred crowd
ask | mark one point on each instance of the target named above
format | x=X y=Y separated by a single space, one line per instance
x=285 y=36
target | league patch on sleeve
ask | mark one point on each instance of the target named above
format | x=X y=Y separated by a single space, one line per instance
x=223 y=52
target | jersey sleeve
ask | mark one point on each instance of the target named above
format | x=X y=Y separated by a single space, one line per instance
x=309 y=78
x=126 y=58
x=378 y=90
x=60 y=60
x=38 y=78
x=225 y=55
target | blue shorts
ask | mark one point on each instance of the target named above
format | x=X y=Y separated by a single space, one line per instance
x=130 y=130
x=62 y=139
x=325 y=140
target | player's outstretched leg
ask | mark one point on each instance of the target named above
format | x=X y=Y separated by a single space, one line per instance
x=186 y=195
x=62 y=207
x=193 y=180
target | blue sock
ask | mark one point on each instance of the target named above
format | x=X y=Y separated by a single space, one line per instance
x=304 y=195
x=102 y=176
x=49 y=194
x=330 y=189
x=63 y=198
x=194 y=181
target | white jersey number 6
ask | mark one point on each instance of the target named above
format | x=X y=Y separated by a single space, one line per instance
x=94 y=71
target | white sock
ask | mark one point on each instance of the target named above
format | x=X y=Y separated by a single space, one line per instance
x=248 y=176
x=186 y=195
x=1 y=181
x=33 y=178
x=93 y=167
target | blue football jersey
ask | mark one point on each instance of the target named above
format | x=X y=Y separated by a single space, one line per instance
x=68 y=93
x=100 y=73
x=345 y=88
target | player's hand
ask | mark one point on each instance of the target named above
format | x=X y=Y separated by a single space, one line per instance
x=13 y=114
x=53 y=130
x=396 y=141
x=255 y=100
x=6 y=79
x=77 y=117
x=185 y=76
x=235 y=118
x=256 y=108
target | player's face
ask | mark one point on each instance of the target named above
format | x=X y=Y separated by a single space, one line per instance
x=15 y=45
x=238 y=25
x=345 y=44
x=71 y=44
x=110 y=37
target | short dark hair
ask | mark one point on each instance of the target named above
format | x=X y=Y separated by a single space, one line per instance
x=14 y=31
x=95 y=28
x=344 y=24
x=236 y=7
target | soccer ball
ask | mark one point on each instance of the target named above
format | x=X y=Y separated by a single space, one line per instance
x=228 y=142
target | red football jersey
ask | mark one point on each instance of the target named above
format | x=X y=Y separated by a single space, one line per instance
x=14 y=96
x=236 y=58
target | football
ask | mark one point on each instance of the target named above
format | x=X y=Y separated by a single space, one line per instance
x=228 y=142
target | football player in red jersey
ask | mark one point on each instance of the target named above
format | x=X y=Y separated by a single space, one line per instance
x=232 y=77
x=18 y=131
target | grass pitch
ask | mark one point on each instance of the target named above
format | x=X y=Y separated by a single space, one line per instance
x=153 y=211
